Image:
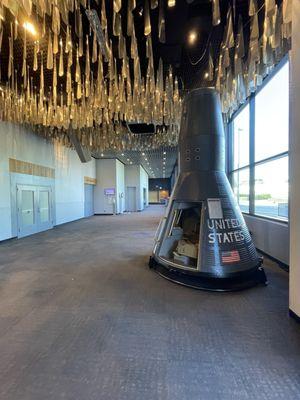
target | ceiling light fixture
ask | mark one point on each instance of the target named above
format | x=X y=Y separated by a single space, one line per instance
x=29 y=28
x=192 y=37
x=171 y=3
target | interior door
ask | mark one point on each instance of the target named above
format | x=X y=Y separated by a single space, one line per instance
x=27 y=211
x=44 y=209
x=88 y=200
x=34 y=206
x=131 y=198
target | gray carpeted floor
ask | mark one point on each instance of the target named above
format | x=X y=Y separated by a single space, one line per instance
x=82 y=318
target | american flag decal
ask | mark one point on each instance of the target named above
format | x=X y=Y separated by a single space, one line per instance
x=229 y=257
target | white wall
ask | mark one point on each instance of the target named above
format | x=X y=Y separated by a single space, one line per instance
x=271 y=237
x=17 y=142
x=294 y=160
x=120 y=193
x=110 y=174
x=136 y=176
x=144 y=179
x=69 y=183
x=132 y=179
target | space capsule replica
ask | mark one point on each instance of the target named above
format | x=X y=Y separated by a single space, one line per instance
x=203 y=241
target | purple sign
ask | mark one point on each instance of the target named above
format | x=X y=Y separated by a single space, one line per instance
x=109 y=192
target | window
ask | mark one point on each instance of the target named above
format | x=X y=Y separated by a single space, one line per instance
x=272 y=116
x=271 y=188
x=259 y=142
x=240 y=185
x=241 y=138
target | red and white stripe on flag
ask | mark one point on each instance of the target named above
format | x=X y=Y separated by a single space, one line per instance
x=230 y=256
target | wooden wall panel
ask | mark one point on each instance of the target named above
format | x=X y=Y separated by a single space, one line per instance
x=24 y=167
x=90 y=181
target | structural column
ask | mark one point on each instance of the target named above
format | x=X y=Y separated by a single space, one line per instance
x=294 y=158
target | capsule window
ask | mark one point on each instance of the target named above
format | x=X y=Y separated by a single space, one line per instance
x=188 y=159
x=197 y=150
x=197 y=158
x=188 y=151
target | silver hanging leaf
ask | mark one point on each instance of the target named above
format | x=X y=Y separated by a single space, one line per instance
x=97 y=29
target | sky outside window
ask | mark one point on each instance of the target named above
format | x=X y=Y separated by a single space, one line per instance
x=272 y=116
x=241 y=139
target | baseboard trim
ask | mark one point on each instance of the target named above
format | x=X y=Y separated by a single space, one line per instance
x=281 y=264
x=294 y=315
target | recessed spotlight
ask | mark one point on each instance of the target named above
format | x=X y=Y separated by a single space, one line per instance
x=122 y=154
x=206 y=75
x=171 y=3
x=29 y=28
x=192 y=37
x=165 y=152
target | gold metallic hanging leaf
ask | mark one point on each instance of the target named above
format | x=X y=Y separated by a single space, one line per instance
x=147 y=21
x=27 y=4
x=35 y=59
x=240 y=44
x=16 y=29
x=129 y=20
x=77 y=70
x=117 y=24
x=117 y=5
x=55 y=20
x=270 y=7
x=216 y=19
x=24 y=68
x=80 y=47
x=50 y=52
x=68 y=40
x=154 y=4
x=87 y=68
x=210 y=70
x=54 y=83
x=161 y=23
x=103 y=16
x=252 y=7
x=10 y=58
x=61 y=60
x=228 y=34
x=55 y=43
x=287 y=11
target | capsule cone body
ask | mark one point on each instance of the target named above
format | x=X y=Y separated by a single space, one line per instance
x=203 y=240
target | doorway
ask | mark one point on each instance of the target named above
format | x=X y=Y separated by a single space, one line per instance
x=145 y=197
x=34 y=209
x=131 y=199
x=88 y=200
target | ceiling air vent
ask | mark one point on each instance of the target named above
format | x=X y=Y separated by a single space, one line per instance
x=141 y=129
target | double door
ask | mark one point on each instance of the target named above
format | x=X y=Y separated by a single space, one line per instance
x=34 y=206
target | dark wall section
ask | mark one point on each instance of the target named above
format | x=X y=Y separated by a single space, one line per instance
x=160 y=184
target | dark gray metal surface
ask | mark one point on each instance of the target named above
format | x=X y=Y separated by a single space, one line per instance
x=83 y=318
x=202 y=179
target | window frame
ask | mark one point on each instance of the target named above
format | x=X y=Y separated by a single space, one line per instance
x=252 y=163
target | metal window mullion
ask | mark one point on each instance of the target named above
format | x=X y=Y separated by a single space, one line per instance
x=252 y=154
x=229 y=163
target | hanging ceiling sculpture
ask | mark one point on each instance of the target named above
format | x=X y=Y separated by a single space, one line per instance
x=95 y=88
x=238 y=74
x=85 y=69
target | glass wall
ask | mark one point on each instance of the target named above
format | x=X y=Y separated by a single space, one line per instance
x=259 y=136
